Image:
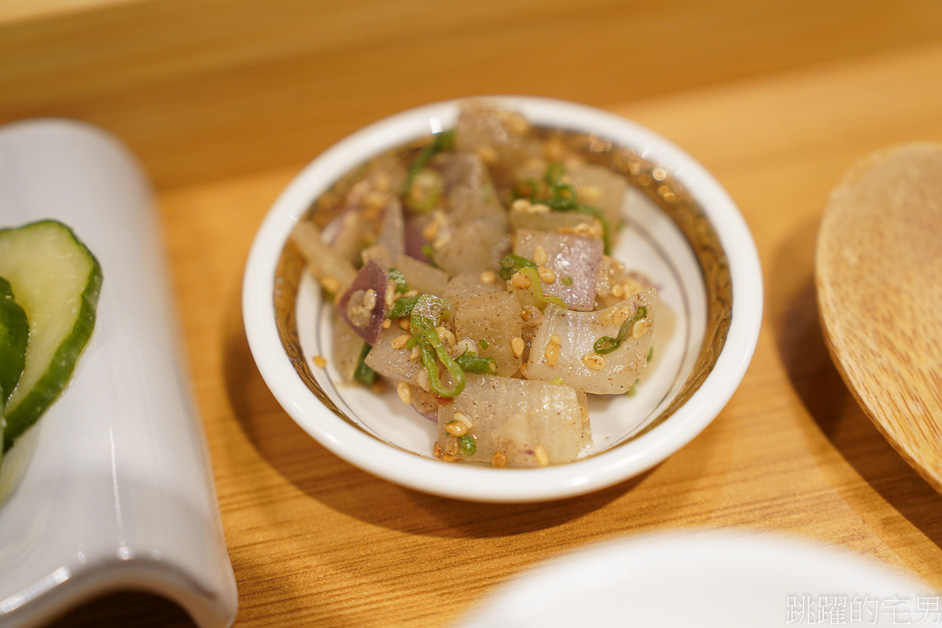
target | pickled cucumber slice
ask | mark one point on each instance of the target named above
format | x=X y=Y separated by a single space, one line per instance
x=14 y=332
x=56 y=280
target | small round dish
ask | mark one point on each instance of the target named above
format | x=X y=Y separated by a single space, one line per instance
x=683 y=231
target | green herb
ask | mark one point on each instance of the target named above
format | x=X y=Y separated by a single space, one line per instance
x=561 y=197
x=396 y=277
x=442 y=141
x=510 y=264
x=567 y=280
x=631 y=390
x=363 y=373
x=607 y=344
x=471 y=363
x=467 y=445
x=483 y=343
x=403 y=307
x=558 y=381
x=650 y=354
x=428 y=251
x=536 y=289
x=427 y=313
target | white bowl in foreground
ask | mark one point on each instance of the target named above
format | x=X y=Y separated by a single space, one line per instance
x=683 y=231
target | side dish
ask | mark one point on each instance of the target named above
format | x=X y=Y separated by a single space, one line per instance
x=474 y=273
x=49 y=286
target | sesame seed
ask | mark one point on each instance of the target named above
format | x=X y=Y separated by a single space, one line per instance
x=594 y=361
x=541 y=458
x=640 y=328
x=319 y=362
x=405 y=394
x=400 y=341
x=520 y=281
x=517 y=346
x=539 y=255
x=488 y=277
x=546 y=275
x=456 y=428
x=369 y=299
x=551 y=353
x=499 y=460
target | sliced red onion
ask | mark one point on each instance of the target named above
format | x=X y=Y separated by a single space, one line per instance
x=573 y=259
x=364 y=313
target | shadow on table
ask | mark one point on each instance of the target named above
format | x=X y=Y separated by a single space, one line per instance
x=792 y=303
x=319 y=473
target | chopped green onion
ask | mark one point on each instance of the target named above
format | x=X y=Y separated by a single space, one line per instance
x=650 y=354
x=428 y=251
x=427 y=312
x=562 y=198
x=442 y=141
x=558 y=381
x=510 y=264
x=554 y=173
x=471 y=363
x=363 y=373
x=396 y=277
x=536 y=289
x=467 y=444
x=403 y=307
x=607 y=344
x=631 y=390
x=567 y=280
x=483 y=343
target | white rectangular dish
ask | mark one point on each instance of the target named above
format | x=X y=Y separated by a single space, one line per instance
x=112 y=488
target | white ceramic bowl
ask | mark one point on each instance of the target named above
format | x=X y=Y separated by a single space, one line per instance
x=683 y=231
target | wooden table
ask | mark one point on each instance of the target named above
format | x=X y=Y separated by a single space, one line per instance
x=224 y=101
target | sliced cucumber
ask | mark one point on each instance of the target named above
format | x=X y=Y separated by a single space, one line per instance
x=56 y=280
x=14 y=332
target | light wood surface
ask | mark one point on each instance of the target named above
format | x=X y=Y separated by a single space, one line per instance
x=879 y=297
x=223 y=102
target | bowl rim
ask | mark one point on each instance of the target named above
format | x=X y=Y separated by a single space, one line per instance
x=474 y=483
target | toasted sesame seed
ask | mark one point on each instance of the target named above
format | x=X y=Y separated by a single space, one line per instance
x=400 y=341
x=456 y=428
x=618 y=291
x=555 y=338
x=517 y=346
x=386 y=324
x=641 y=327
x=404 y=324
x=369 y=299
x=520 y=281
x=551 y=353
x=546 y=275
x=594 y=361
x=499 y=460
x=488 y=277
x=539 y=255
x=319 y=362
x=430 y=230
x=541 y=458
x=404 y=392
x=330 y=284
x=458 y=415
x=526 y=315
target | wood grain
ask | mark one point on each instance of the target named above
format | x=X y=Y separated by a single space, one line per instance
x=224 y=104
x=879 y=295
